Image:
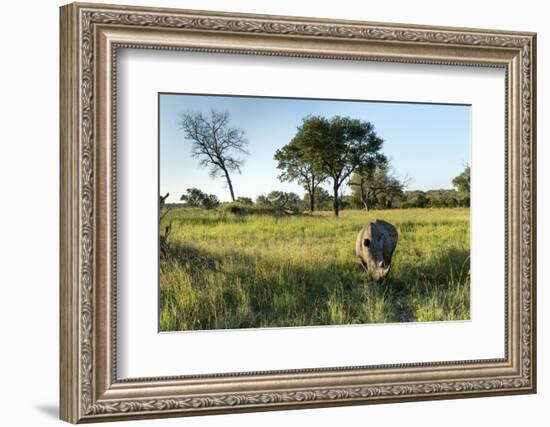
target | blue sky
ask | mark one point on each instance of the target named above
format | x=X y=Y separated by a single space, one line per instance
x=429 y=142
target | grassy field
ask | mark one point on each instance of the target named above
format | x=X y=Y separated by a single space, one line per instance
x=243 y=271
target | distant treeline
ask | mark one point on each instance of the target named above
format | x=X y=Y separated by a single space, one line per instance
x=432 y=199
x=280 y=202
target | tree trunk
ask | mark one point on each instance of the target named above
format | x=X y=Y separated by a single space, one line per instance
x=229 y=184
x=336 y=204
x=363 y=195
x=367 y=201
x=311 y=191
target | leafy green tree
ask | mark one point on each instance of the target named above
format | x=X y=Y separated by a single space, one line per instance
x=337 y=147
x=194 y=197
x=263 y=201
x=415 y=199
x=211 y=202
x=452 y=200
x=462 y=181
x=462 y=184
x=296 y=166
x=442 y=198
x=215 y=143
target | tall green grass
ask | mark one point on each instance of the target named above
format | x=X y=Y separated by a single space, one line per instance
x=243 y=271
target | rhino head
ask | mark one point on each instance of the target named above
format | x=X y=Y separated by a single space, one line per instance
x=374 y=247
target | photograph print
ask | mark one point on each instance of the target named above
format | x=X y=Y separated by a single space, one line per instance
x=291 y=212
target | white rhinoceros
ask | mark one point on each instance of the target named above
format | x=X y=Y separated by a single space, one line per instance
x=375 y=245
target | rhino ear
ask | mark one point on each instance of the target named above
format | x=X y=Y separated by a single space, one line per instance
x=366 y=243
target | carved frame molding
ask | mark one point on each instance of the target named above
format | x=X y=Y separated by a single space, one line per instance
x=90 y=36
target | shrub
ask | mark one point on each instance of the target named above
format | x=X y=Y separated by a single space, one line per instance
x=236 y=208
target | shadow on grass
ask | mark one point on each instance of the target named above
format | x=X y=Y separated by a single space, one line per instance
x=236 y=290
x=189 y=257
x=416 y=282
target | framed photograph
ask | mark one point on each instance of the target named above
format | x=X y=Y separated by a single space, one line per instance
x=267 y=212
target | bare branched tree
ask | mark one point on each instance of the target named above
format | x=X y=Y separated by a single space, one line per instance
x=215 y=143
x=162 y=200
x=378 y=187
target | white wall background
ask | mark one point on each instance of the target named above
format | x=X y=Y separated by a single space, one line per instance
x=29 y=171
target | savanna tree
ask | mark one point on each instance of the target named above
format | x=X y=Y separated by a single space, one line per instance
x=338 y=147
x=462 y=184
x=216 y=143
x=378 y=186
x=296 y=166
x=194 y=197
x=286 y=202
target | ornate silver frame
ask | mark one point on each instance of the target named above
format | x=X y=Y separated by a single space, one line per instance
x=90 y=36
